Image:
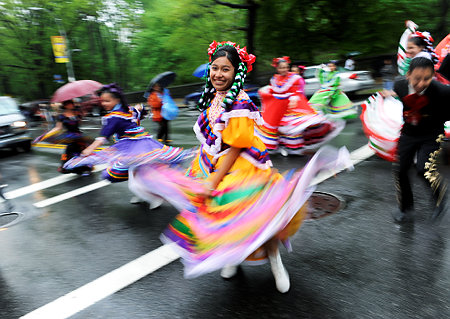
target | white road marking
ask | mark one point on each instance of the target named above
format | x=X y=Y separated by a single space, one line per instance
x=75 y=192
x=120 y=278
x=104 y=286
x=46 y=184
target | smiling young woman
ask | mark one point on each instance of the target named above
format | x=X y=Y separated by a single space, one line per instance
x=233 y=206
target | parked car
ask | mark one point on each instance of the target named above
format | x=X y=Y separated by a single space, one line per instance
x=13 y=125
x=351 y=81
x=191 y=99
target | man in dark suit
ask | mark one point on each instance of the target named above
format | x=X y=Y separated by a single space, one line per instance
x=426 y=106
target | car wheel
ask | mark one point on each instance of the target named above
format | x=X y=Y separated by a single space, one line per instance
x=26 y=146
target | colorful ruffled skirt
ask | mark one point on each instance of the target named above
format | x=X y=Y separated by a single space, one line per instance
x=248 y=208
x=382 y=120
x=334 y=103
x=128 y=152
x=299 y=128
x=63 y=137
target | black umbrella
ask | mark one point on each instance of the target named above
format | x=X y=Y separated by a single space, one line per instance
x=353 y=53
x=163 y=79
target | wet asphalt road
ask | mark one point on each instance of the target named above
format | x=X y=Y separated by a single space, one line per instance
x=353 y=264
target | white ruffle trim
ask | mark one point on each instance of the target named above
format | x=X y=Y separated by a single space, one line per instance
x=286 y=85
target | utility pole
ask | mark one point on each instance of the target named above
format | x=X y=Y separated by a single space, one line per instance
x=62 y=33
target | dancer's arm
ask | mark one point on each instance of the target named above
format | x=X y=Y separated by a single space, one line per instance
x=58 y=127
x=99 y=141
x=226 y=164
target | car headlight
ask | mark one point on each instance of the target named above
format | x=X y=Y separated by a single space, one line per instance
x=19 y=124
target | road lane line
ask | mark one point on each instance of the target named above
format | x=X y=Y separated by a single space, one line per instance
x=105 y=286
x=75 y=192
x=46 y=184
x=120 y=278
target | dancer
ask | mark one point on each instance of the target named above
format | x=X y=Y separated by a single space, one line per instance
x=133 y=143
x=67 y=131
x=330 y=99
x=414 y=44
x=290 y=125
x=234 y=207
x=425 y=110
x=299 y=70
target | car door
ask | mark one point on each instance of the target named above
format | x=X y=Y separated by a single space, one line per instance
x=312 y=83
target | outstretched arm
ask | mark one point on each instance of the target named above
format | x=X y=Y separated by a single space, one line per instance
x=226 y=164
x=99 y=141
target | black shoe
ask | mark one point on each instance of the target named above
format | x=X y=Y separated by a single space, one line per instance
x=402 y=217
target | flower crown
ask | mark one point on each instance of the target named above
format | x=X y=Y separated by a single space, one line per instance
x=247 y=58
x=275 y=61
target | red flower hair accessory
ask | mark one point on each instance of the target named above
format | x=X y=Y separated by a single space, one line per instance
x=275 y=61
x=247 y=58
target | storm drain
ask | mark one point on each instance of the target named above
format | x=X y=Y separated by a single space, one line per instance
x=9 y=219
x=323 y=204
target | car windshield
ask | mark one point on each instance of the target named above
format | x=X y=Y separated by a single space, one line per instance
x=309 y=73
x=8 y=106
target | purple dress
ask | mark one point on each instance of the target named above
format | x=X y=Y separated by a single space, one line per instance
x=133 y=145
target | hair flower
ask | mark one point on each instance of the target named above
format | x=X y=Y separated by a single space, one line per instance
x=247 y=58
x=276 y=61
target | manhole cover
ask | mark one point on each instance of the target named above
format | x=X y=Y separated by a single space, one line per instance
x=323 y=204
x=8 y=219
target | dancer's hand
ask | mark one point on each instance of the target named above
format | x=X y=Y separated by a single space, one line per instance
x=207 y=190
x=86 y=152
x=387 y=93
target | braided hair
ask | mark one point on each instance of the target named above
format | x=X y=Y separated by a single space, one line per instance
x=240 y=69
x=424 y=40
x=116 y=91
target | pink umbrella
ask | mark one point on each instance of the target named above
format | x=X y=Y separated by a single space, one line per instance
x=75 y=89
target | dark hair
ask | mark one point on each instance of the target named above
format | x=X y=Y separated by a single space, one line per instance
x=154 y=89
x=65 y=103
x=418 y=41
x=230 y=53
x=421 y=63
x=116 y=91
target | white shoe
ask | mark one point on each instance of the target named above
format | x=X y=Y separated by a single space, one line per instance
x=136 y=200
x=156 y=202
x=280 y=273
x=284 y=152
x=228 y=271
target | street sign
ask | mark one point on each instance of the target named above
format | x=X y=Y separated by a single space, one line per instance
x=60 y=49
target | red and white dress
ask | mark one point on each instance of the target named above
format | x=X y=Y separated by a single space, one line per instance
x=289 y=122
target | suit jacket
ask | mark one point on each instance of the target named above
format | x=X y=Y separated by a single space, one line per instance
x=431 y=117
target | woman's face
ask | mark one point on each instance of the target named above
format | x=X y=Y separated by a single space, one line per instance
x=283 y=68
x=222 y=73
x=295 y=70
x=412 y=49
x=69 y=106
x=332 y=67
x=109 y=101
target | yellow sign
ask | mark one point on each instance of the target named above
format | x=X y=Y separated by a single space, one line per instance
x=59 y=49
